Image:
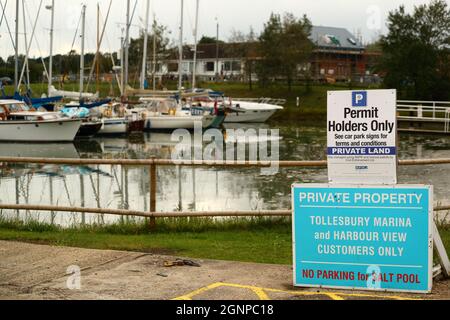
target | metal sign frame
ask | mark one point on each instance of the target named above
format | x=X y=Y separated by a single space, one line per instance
x=430 y=237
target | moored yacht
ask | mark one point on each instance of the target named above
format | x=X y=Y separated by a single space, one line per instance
x=241 y=110
x=20 y=123
x=116 y=119
x=254 y=112
x=167 y=114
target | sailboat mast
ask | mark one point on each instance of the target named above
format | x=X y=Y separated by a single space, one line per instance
x=122 y=71
x=83 y=26
x=154 y=53
x=144 y=55
x=194 y=68
x=27 y=68
x=180 y=51
x=50 y=64
x=16 y=63
x=127 y=43
x=98 y=49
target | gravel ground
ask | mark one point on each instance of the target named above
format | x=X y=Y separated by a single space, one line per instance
x=32 y=271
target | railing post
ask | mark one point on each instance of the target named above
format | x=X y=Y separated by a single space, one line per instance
x=152 y=194
x=434 y=110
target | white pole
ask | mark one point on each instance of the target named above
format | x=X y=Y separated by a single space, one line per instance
x=83 y=25
x=144 y=55
x=122 y=71
x=27 y=68
x=16 y=62
x=180 y=51
x=154 y=53
x=127 y=43
x=50 y=64
x=194 y=70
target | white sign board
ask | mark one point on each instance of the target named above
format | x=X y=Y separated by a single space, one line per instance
x=362 y=137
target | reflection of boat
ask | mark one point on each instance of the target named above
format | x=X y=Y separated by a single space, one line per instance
x=40 y=150
x=249 y=133
x=19 y=170
x=88 y=147
x=18 y=123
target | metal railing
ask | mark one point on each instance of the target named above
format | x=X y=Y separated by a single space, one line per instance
x=431 y=110
x=154 y=163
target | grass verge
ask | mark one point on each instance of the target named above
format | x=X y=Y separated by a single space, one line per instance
x=259 y=240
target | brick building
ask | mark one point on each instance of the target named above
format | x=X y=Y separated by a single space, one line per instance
x=337 y=56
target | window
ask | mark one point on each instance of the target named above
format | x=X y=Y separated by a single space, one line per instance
x=17 y=107
x=210 y=66
x=173 y=67
x=236 y=66
x=232 y=66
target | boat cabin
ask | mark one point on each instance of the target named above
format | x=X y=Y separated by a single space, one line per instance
x=13 y=110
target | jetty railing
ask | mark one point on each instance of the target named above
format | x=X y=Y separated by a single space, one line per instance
x=153 y=163
x=426 y=110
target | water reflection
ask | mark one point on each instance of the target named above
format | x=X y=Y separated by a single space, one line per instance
x=183 y=188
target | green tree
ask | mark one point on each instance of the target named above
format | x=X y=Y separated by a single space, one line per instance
x=285 y=48
x=162 y=41
x=208 y=40
x=244 y=46
x=270 y=41
x=416 y=52
x=296 y=47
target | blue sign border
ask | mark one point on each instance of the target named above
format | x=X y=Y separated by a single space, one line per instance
x=322 y=284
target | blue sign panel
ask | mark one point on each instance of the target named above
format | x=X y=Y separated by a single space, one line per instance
x=372 y=238
x=359 y=98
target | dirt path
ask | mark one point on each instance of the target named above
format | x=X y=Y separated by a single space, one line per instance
x=30 y=271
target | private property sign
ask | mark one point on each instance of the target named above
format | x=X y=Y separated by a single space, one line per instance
x=363 y=237
x=362 y=137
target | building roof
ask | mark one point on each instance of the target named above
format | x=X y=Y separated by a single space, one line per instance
x=336 y=38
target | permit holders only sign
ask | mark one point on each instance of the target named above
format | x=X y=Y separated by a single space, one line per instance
x=363 y=237
x=362 y=137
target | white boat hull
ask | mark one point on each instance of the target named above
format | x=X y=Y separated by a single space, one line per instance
x=114 y=126
x=63 y=130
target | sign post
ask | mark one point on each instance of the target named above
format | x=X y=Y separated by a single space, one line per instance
x=362 y=137
x=363 y=237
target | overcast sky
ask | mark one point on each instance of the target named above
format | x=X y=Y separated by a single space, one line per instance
x=366 y=17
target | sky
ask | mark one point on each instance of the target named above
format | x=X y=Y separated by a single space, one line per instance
x=367 y=18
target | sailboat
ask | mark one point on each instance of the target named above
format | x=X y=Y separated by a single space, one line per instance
x=89 y=126
x=164 y=110
x=45 y=102
x=168 y=114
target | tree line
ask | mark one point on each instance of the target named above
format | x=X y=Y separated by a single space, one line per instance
x=416 y=52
